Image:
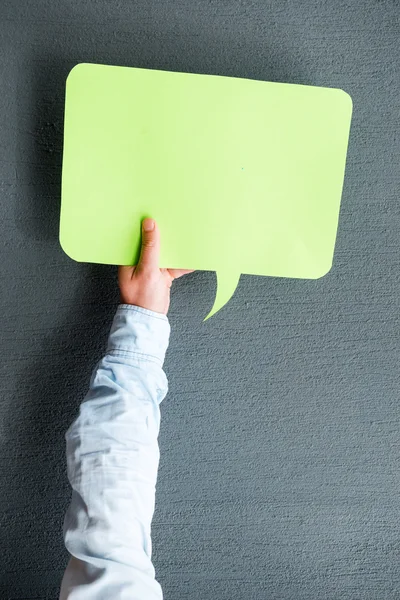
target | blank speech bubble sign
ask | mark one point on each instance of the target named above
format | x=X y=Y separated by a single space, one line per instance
x=242 y=176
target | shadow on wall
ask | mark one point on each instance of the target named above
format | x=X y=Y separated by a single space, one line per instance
x=39 y=149
x=53 y=378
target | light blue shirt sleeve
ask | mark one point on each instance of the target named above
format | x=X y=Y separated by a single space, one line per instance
x=112 y=461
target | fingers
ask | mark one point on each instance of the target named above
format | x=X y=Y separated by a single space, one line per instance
x=149 y=254
x=150 y=250
x=175 y=273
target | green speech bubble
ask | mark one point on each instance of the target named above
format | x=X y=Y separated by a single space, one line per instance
x=242 y=176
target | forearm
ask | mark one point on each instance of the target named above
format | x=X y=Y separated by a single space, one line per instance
x=113 y=455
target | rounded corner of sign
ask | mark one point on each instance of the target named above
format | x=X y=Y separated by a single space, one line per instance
x=76 y=71
x=348 y=99
x=323 y=271
x=66 y=249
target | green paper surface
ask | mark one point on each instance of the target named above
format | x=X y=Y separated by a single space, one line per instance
x=242 y=176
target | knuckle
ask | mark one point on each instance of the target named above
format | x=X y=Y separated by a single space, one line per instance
x=148 y=243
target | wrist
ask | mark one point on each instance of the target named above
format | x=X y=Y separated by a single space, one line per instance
x=139 y=332
x=142 y=310
x=147 y=303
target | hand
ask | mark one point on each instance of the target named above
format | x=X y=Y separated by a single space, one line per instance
x=147 y=285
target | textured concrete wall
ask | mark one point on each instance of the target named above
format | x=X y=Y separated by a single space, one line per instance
x=280 y=444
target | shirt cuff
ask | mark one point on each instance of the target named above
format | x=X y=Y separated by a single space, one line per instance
x=140 y=332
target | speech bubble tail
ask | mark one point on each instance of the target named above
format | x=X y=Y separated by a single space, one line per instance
x=226 y=285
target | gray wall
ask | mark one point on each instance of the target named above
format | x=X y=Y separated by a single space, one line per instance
x=280 y=445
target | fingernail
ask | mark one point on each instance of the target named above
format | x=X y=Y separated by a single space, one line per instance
x=148 y=225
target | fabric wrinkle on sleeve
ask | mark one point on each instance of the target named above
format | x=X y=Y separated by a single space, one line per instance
x=112 y=461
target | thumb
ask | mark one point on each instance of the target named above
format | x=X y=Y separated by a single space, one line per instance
x=150 y=250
